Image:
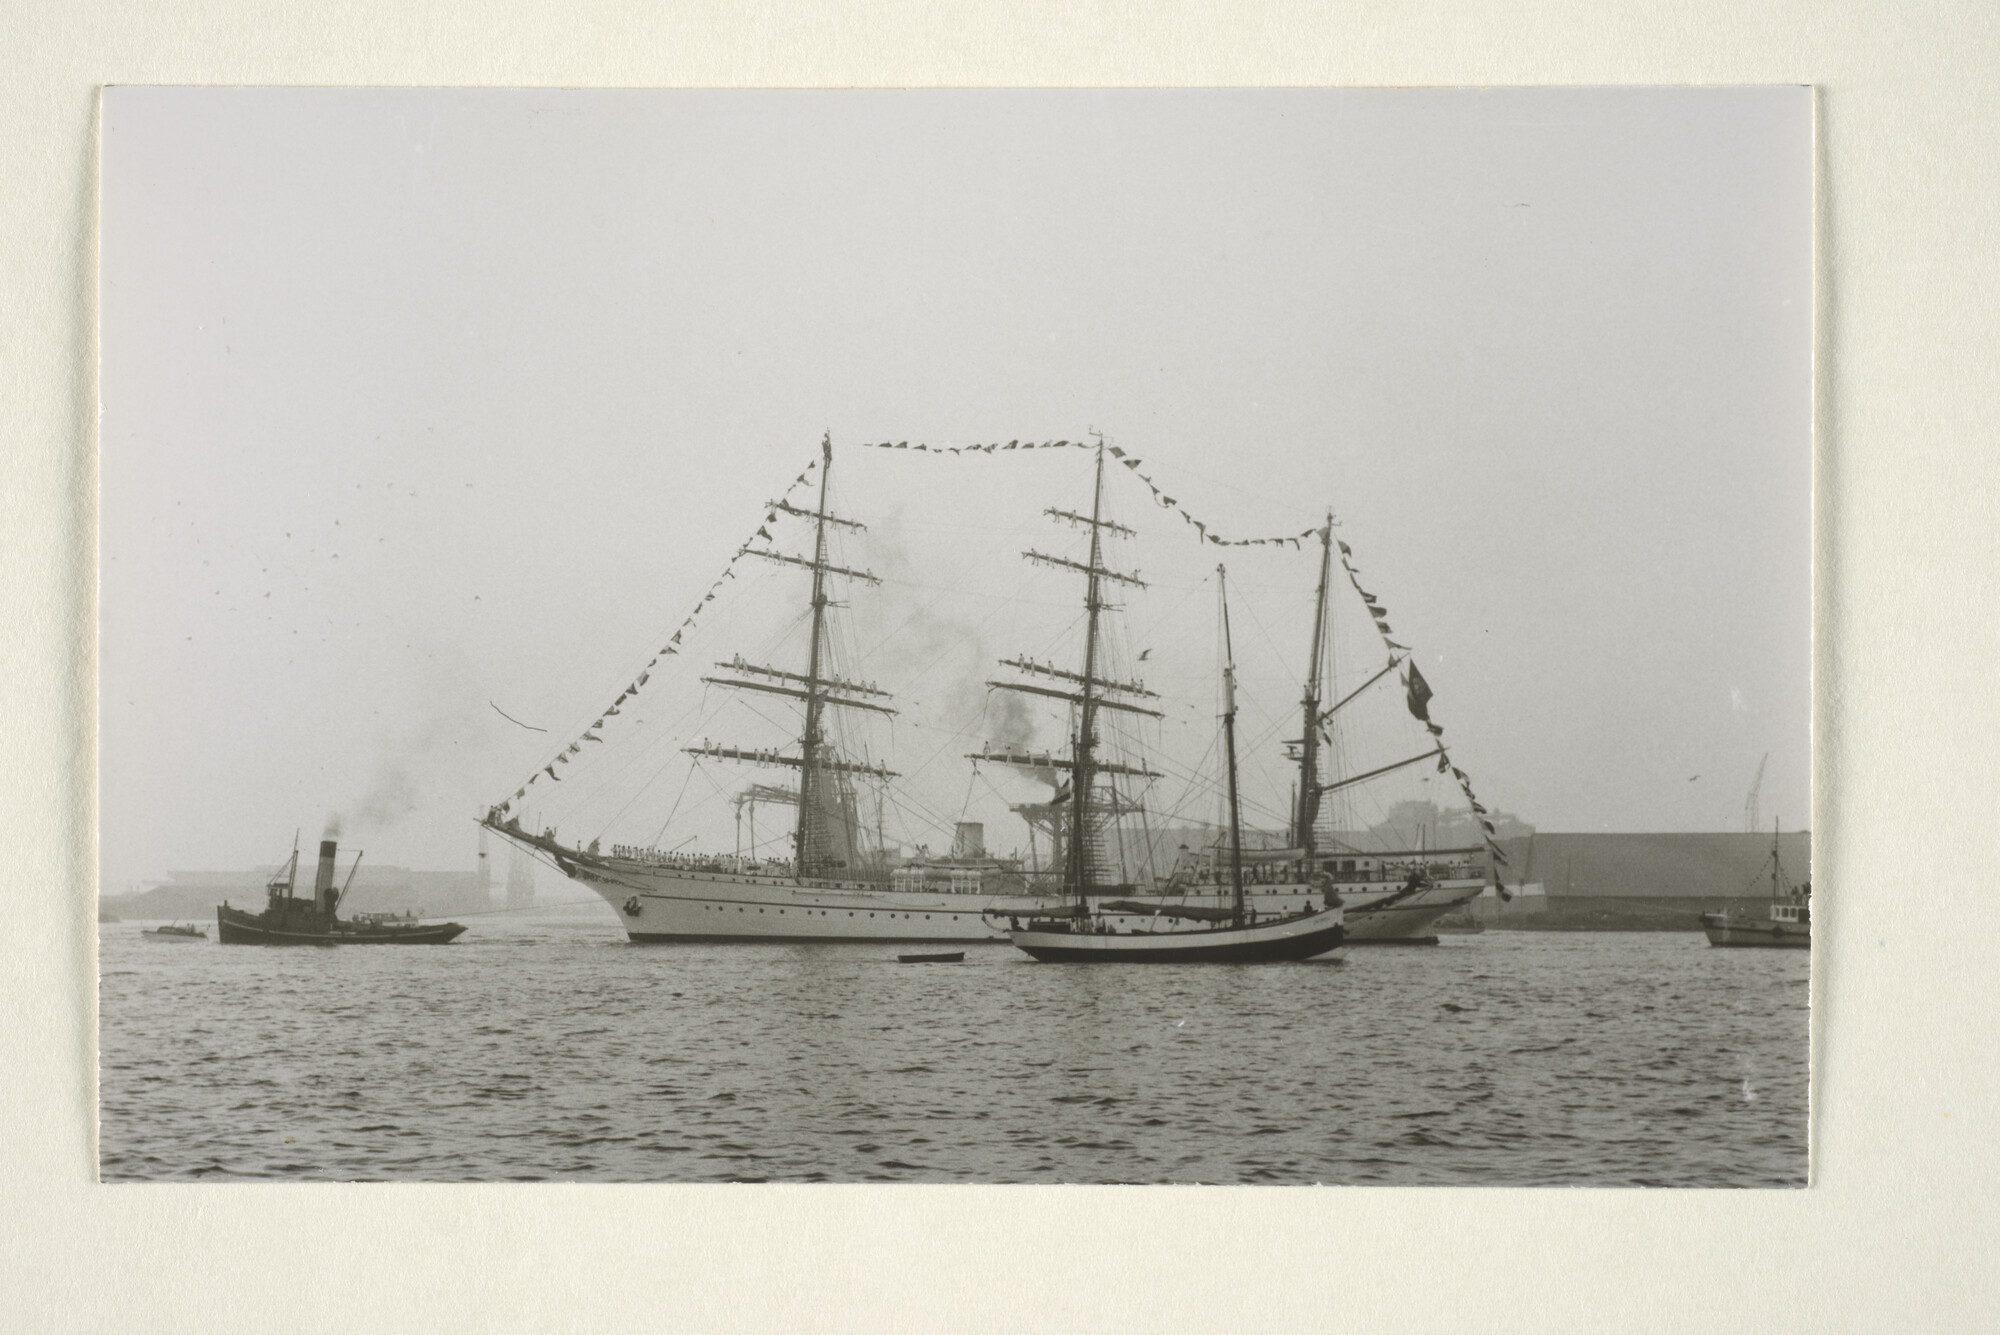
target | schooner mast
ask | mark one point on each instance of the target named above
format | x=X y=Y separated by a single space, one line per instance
x=1229 y=748
x=815 y=848
x=1307 y=813
x=1080 y=872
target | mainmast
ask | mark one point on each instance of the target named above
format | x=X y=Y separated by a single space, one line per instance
x=1229 y=747
x=1306 y=814
x=1082 y=776
x=1090 y=697
x=815 y=688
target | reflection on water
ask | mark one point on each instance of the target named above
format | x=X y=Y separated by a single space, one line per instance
x=543 y=1047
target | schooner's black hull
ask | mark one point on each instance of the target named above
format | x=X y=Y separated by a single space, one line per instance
x=236 y=928
x=1234 y=947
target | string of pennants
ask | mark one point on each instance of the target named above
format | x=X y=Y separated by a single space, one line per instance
x=1164 y=501
x=1418 y=694
x=669 y=649
x=1419 y=691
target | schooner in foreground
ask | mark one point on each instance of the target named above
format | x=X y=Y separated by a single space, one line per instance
x=845 y=881
x=1083 y=934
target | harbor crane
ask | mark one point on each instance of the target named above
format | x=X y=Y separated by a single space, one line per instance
x=1751 y=822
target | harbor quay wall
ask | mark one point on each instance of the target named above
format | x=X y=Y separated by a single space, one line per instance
x=377 y=889
x=1695 y=867
x=1621 y=913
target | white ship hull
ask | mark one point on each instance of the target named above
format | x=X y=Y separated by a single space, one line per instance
x=659 y=904
x=662 y=904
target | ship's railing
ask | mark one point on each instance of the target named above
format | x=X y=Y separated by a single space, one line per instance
x=1204 y=874
x=723 y=863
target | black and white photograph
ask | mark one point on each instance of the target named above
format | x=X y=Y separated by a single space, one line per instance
x=981 y=637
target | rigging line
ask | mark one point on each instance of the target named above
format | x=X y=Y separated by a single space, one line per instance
x=1152 y=628
x=655 y=841
x=953 y=738
x=987 y=595
x=971 y=782
x=914 y=821
x=906 y=801
x=631 y=745
x=633 y=801
x=1250 y=610
x=627 y=759
x=886 y=641
x=688 y=624
x=909 y=795
x=636 y=749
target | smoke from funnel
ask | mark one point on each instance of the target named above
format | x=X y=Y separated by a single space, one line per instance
x=1011 y=722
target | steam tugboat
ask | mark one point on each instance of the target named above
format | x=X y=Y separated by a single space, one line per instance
x=291 y=920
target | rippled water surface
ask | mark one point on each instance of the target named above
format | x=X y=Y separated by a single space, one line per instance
x=543 y=1047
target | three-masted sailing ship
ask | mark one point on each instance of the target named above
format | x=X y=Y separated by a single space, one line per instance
x=835 y=886
x=844 y=879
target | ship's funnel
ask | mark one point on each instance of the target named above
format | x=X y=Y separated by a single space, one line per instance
x=323 y=883
x=970 y=840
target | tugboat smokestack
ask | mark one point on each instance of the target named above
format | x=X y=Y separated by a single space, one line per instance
x=323 y=884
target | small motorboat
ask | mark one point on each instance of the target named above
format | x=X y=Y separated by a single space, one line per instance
x=954 y=957
x=175 y=932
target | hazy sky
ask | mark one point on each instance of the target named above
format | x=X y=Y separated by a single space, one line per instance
x=419 y=400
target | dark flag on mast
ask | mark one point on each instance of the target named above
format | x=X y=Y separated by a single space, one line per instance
x=1420 y=694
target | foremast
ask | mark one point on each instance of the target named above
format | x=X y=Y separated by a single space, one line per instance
x=812 y=738
x=825 y=828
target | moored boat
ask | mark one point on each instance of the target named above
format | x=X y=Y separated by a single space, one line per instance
x=175 y=931
x=1788 y=920
x=290 y=920
x=1094 y=939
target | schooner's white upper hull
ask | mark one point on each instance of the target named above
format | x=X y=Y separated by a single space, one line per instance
x=1375 y=910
